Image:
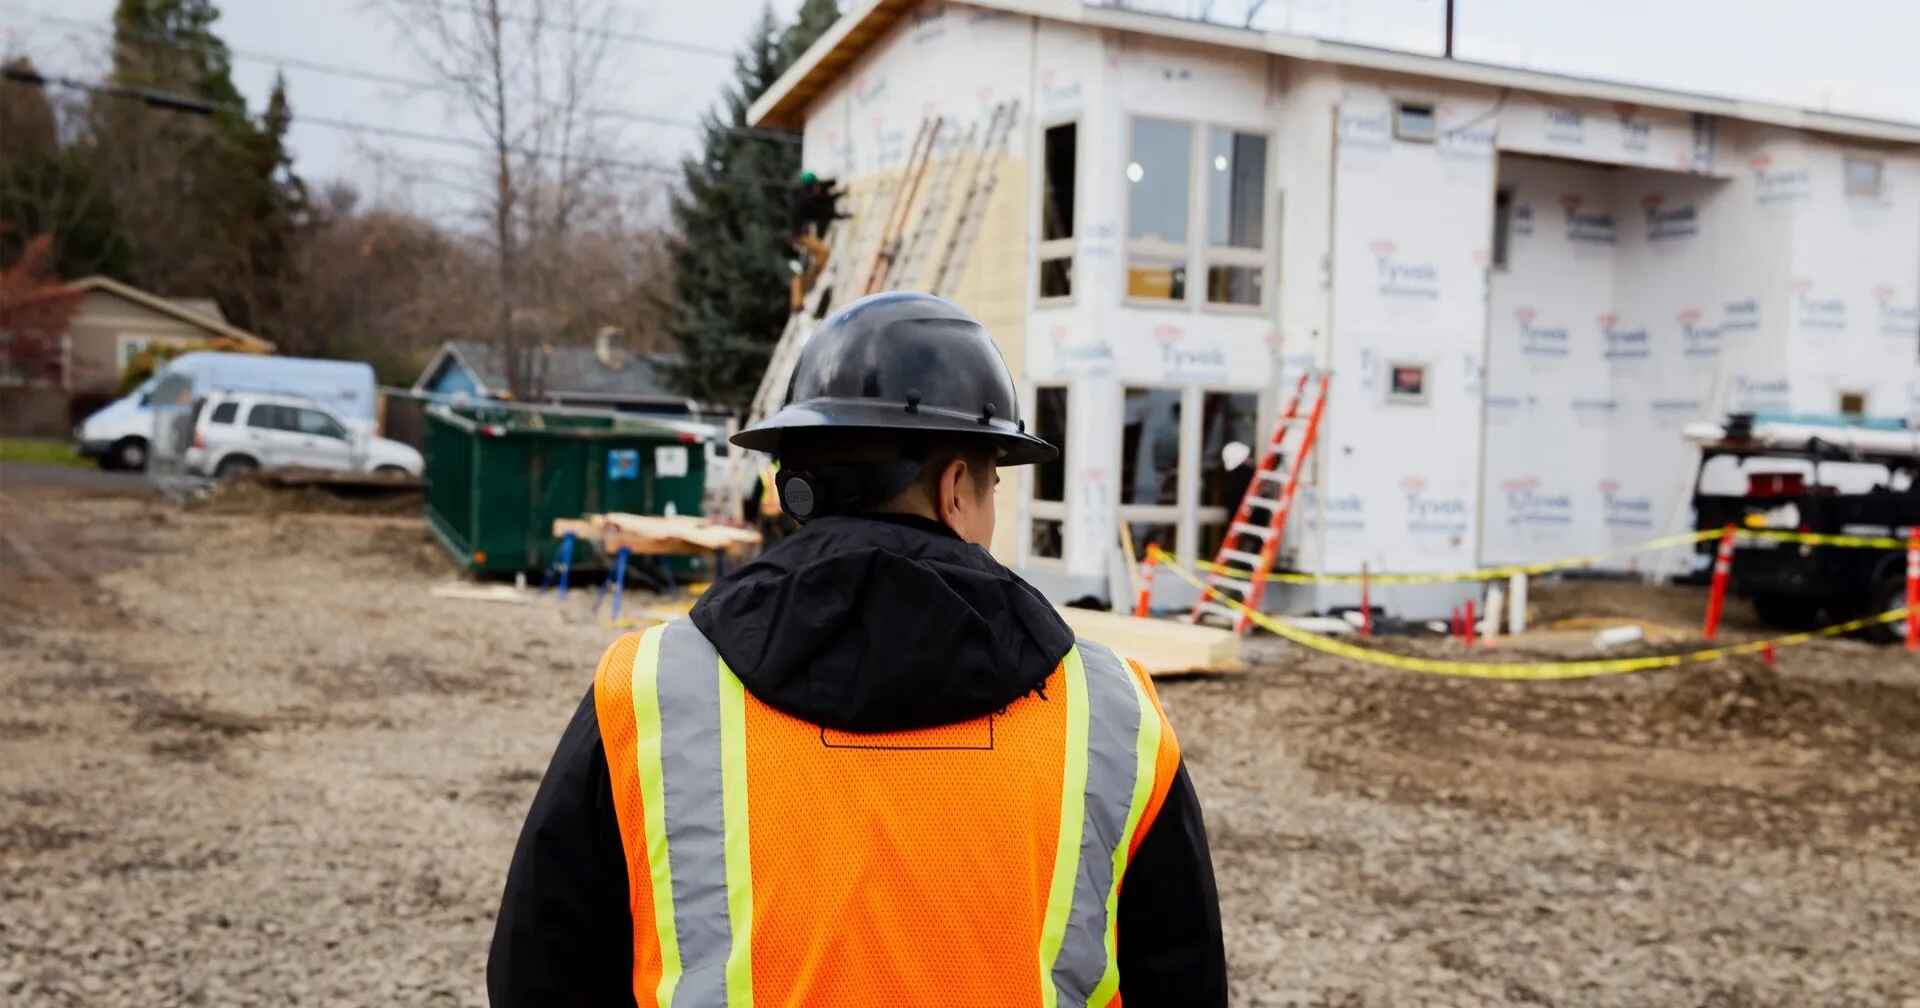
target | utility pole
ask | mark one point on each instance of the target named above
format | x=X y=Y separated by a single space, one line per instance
x=1449 y=52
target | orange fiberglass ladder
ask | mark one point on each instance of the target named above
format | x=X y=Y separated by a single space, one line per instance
x=1238 y=574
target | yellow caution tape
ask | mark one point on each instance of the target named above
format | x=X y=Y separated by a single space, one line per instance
x=1813 y=539
x=1549 y=566
x=1582 y=669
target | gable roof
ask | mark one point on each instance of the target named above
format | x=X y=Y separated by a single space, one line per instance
x=164 y=306
x=866 y=22
x=570 y=372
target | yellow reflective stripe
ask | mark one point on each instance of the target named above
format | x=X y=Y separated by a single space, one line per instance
x=653 y=806
x=733 y=775
x=1147 y=746
x=1066 y=851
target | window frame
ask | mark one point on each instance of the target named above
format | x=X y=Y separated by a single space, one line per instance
x=1184 y=513
x=1394 y=397
x=1046 y=510
x=1198 y=252
x=1050 y=249
x=1879 y=187
x=233 y=413
x=266 y=414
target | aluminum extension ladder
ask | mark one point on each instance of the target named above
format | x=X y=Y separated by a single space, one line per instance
x=1241 y=575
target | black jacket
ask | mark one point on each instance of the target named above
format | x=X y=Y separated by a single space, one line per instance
x=850 y=623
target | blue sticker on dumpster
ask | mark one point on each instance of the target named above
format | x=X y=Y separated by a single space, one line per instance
x=623 y=463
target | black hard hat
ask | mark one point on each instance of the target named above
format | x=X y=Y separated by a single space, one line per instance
x=903 y=361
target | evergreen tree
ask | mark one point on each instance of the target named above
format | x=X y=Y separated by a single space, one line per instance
x=731 y=255
x=209 y=203
x=49 y=189
x=809 y=23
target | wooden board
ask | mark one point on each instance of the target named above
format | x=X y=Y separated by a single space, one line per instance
x=660 y=534
x=1163 y=647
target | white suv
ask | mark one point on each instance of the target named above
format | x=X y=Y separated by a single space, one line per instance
x=238 y=432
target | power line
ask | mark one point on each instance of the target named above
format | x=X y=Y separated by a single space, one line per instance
x=182 y=103
x=376 y=77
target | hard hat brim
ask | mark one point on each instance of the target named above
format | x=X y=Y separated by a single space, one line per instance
x=1019 y=447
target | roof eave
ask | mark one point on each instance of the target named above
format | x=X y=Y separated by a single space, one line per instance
x=784 y=105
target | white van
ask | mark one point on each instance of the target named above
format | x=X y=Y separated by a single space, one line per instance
x=119 y=434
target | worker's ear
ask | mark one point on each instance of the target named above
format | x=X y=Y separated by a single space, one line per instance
x=960 y=504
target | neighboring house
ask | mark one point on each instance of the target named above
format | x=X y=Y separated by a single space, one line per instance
x=600 y=376
x=110 y=325
x=116 y=321
x=1523 y=283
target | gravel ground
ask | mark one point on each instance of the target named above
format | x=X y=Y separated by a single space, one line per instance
x=246 y=758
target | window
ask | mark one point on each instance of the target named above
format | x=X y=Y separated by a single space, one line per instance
x=1048 y=539
x=317 y=423
x=1227 y=217
x=1229 y=434
x=1057 y=183
x=1048 y=507
x=1415 y=121
x=1050 y=425
x=1406 y=383
x=1159 y=186
x=1236 y=173
x=1864 y=176
x=1150 y=447
x=268 y=417
x=224 y=413
x=1853 y=403
x=1502 y=226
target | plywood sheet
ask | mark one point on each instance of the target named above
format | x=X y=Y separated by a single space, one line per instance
x=1163 y=647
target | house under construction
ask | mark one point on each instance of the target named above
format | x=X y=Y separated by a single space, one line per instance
x=1523 y=284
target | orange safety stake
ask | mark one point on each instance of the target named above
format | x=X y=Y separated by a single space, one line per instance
x=1913 y=589
x=1468 y=623
x=1366 y=603
x=1717 y=597
x=1145 y=595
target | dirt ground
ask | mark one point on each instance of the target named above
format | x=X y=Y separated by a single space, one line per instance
x=247 y=758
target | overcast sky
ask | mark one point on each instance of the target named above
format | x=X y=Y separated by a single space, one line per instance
x=1844 y=55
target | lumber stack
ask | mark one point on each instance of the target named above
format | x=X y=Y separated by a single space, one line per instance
x=1162 y=647
x=657 y=535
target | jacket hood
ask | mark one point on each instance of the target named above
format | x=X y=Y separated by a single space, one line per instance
x=882 y=623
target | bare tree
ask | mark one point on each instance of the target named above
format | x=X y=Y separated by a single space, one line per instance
x=524 y=75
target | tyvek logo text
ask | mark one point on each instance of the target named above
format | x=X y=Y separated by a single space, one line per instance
x=1597 y=227
x=1540 y=340
x=1774 y=184
x=1818 y=312
x=1432 y=515
x=1402 y=278
x=1621 y=510
x=1697 y=340
x=1621 y=343
x=1666 y=223
x=1528 y=504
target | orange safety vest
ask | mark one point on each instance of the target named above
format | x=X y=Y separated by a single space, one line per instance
x=772 y=861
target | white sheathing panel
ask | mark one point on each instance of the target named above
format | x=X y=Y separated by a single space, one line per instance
x=1853 y=300
x=1616 y=134
x=1411 y=229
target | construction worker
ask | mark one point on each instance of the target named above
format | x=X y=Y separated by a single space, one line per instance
x=873 y=767
x=814 y=204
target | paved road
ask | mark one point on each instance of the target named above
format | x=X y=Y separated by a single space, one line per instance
x=90 y=481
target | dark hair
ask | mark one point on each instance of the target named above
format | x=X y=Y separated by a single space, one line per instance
x=873 y=459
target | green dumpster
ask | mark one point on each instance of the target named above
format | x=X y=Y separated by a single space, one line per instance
x=497 y=478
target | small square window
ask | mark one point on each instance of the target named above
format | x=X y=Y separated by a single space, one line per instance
x=1056 y=277
x=1864 y=176
x=1406 y=383
x=1853 y=404
x=1502 y=227
x=1048 y=538
x=1235 y=285
x=1156 y=281
x=1415 y=121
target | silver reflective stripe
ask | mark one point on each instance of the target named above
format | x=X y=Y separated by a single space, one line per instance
x=691 y=776
x=1114 y=711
